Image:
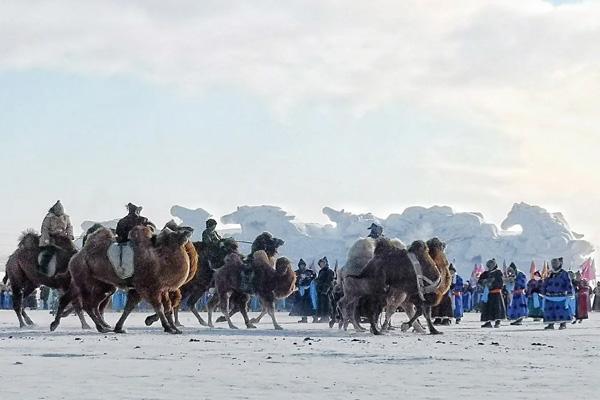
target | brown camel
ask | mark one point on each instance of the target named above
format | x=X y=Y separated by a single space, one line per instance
x=161 y=265
x=204 y=279
x=412 y=271
x=24 y=277
x=397 y=298
x=270 y=283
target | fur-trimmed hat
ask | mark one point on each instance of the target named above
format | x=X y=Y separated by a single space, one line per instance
x=133 y=208
x=491 y=264
x=451 y=267
x=302 y=262
x=323 y=260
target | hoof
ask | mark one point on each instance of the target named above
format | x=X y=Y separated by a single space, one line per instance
x=404 y=327
x=118 y=330
x=173 y=331
x=251 y=326
x=233 y=327
x=149 y=320
x=436 y=332
x=278 y=328
x=53 y=326
x=221 y=319
x=84 y=327
x=179 y=325
x=203 y=323
x=254 y=321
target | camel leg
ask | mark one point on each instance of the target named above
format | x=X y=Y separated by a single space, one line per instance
x=260 y=316
x=63 y=303
x=192 y=300
x=427 y=313
x=410 y=311
x=28 y=320
x=133 y=298
x=249 y=322
x=351 y=311
x=224 y=304
x=168 y=307
x=270 y=306
x=25 y=293
x=175 y=303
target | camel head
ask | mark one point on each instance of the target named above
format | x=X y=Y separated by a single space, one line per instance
x=265 y=241
x=174 y=238
x=286 y=278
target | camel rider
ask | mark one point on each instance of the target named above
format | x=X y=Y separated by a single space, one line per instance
x=376 y=231
x=56 y=222
x=130 y=221
x=212 y=241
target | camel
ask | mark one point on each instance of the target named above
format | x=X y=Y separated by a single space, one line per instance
x=24 y=277
x=393 y=268
x=161 y=265
x=270 y=283
x=397 y=298
x=203 y=281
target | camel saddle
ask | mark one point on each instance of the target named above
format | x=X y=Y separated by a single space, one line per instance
x=121 y=258
x=47 y=261
x=424 y=284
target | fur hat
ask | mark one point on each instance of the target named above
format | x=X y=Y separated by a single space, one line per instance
x=302 y=262
x=556 y=263
x=491 y=264
x=57 y=209
x=133 y=208
x=451 y=268
x=323 y=260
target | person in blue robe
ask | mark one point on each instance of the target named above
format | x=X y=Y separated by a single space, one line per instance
x=517 y=309
x=557 y=290
x=467 y=297
x=303 y=304
x=457 y=295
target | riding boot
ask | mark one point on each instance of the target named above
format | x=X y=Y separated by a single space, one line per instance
x=445 y=322
x=304 y=320
x=549 y=327
x=517 y=322
x=437 y=321
x=487 y=325
x=497 y=324
x=574 y=322
x=563 y=325
x=458 y=320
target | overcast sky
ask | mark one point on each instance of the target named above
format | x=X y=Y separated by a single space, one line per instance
x=371 y=106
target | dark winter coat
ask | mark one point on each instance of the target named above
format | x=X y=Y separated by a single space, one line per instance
x=126 y=224
x=518 y=306
x=493 y=309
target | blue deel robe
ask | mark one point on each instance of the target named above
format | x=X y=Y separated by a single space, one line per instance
x=558 y=290
x=518 y=306
x=457 y=297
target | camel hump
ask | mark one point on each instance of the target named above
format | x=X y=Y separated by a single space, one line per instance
x=233 y=258
x=386 y=246
x=261 y=258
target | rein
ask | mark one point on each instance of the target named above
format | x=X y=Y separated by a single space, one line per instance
x=422 y=279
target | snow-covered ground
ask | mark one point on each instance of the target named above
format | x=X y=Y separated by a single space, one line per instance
x=301 y=362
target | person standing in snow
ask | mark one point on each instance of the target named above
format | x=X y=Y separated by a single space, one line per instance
x=457 y=289
x=596 y=304
x=324 y=283
x=55 y=223
x=557 y=290
x=303 y=306
x=492 y=302
x=535 y=307
x=517 y=310
x=582 y=292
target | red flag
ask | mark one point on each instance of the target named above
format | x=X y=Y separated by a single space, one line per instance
x=586 y=270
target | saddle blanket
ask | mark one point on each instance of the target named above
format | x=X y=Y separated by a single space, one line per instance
x=121 y=258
